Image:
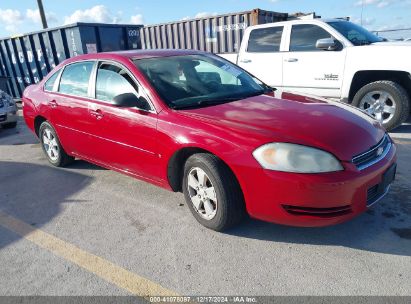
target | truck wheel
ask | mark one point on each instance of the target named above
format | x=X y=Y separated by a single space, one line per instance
x=386 y=101
x=212 y=192
x=52 y=147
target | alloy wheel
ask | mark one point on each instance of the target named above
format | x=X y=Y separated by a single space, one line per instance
x=202 y=193
x=379 y=104
x=50 y=145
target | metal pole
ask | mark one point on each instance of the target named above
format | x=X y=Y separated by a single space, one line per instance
x=362 y=10
x=42 y=14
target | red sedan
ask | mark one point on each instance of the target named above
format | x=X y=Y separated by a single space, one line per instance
x=193 y=122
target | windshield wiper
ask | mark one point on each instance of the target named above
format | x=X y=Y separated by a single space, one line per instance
x=217 y=100
x=204 y=102
x=214 y=101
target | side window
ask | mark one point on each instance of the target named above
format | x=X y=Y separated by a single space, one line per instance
x=304 y=37
x=265 y=40
x=75 y=79
x=112 y=81
x=49 y=85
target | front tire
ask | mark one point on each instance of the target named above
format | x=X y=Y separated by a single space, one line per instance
x=212 y=192
x=386 y=101
x=52 y=147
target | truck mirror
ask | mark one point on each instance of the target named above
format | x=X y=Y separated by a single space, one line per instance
x=327 y=44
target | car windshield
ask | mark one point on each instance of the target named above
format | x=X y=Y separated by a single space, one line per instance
x=191 y=81
x=355 y=33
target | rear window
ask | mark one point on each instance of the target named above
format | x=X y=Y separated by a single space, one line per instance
x=49 y=85
x=265 y=40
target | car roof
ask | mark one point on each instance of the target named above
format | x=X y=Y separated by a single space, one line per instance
x=298 y=21
x=138 y=54
x=135 y=54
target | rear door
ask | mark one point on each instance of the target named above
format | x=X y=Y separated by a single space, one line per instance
x=69 y=107
x=262 y=55
x=310 y=70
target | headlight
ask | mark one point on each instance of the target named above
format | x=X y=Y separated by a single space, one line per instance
x=296 y=158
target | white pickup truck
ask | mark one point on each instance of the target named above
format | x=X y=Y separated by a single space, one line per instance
x=332 y=58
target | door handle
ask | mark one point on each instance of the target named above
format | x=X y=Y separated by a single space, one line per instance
x=291 y=60
x=97 y=113
x=245 y=60
x=53 y=104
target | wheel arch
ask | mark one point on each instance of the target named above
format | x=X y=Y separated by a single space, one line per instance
x=38 y=120
x=175 y=166
x=362 y=78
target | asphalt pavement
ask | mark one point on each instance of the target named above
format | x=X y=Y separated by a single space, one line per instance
x=85 y=230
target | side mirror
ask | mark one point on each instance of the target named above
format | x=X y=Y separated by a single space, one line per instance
x=327 y=44
x=129 y=100
x=269 y=90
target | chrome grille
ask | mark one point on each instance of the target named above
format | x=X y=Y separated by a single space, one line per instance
x=373 y=155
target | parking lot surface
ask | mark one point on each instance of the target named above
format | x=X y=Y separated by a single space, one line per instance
x=85 y=230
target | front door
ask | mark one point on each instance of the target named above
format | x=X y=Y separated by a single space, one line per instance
x=310 y=70
x=126 y=137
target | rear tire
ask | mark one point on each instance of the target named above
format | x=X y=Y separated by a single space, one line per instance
x=225 y=200
x=376 y=96
x=10 y=125
x=52 y=147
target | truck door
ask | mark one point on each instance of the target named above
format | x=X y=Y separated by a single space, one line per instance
x=261 y=56
x=308 y=69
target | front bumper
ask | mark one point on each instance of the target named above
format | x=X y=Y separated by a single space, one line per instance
x=311 y=200
x=8 y=115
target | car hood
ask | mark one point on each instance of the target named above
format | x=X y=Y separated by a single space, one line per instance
x=374 y=57
x=331 y=126
x=392 y=43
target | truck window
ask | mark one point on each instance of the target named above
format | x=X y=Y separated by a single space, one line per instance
x=304 y=37
x=265 y=40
